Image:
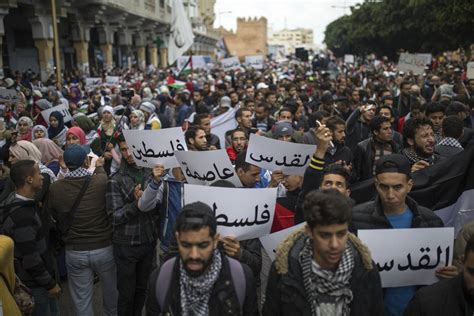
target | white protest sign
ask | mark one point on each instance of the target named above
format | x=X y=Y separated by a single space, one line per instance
x=270 y=242
x=271 y=154
x=206 y=167
x=240 y=212
x=62 y=108
x=426 y=57
x=349 y=59
x=8 y=95
x=93 y=81
x=255 y=62
x=230 y=63
x=152 y=147
x=199 y=62
x=113 y=80
x=411 y=62
x=223 y=123
x=470 y=70
x=409 y=256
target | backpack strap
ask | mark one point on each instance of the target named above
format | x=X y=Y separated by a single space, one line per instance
x=238 y=278
x=163 y=281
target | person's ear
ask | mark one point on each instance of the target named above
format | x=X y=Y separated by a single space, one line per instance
x=410 y=184
x=216 y=239
x=411 y=141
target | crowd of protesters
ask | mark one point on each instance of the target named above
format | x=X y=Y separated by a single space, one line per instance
x=78 y=208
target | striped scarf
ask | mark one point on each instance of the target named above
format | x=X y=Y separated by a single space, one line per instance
x=196 y=291
x=328 y=292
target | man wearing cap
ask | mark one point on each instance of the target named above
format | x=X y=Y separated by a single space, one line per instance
x=224 y=106
x=201 y=280
x=86 y=230
x=283 y=130
x=151 y=119
x=393 y=208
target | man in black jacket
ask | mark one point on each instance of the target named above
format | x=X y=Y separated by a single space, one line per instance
x=20 y=220
x=394 y=209
x=323 y=269
x=372 y=149
x=454 y=297
x=202 y=279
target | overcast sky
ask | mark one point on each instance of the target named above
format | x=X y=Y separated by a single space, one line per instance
x=314 y=14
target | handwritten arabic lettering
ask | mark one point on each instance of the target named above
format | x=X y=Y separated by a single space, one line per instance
x=411 y=60
x=150 y=153
x=223 y=220
x=210 y=175
x=423 y=263
x=296 y=162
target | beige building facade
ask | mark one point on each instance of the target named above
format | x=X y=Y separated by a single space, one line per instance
x=292 y=39
x=95 y=34
x=250 y=37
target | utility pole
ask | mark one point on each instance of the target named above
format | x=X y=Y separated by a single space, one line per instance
x=56 y=41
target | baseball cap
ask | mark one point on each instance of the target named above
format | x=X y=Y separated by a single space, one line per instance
x=75 y=155
x=283 y=128
x=225 y=102
x=262 y=85
x=393 y=163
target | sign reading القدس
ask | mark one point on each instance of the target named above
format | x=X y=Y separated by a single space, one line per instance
x=407 y=257
x=272 y=154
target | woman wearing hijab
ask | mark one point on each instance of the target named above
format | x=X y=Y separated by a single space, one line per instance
x=137 y=120
x=57 y=130
x=51 y=154
x=23 y=127
x=108 y=137
x=25 y=150
x=87 y=125
x=39 y=131
x=76 y=136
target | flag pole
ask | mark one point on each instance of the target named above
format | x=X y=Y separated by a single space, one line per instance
x=56 y=41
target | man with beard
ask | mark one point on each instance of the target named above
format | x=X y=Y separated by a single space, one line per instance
x=196 y=139
x=419 y=142
x=201 y=280
x=239 y=143
x=449 y=297
x=134 y=232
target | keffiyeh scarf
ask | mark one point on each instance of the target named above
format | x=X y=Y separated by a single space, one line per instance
x=328 y=292
x=414 y=157
x=78 y=173
x=196 y=291
x=450 y=142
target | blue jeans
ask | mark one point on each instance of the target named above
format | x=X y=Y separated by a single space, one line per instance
x=44 y=305
x=81 y=266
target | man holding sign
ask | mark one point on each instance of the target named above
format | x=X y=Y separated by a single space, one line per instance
x=393 y=208
x=324 y=269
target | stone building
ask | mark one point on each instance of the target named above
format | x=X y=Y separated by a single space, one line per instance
x=94 y=34
x=292 y=39
x=250 y=38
